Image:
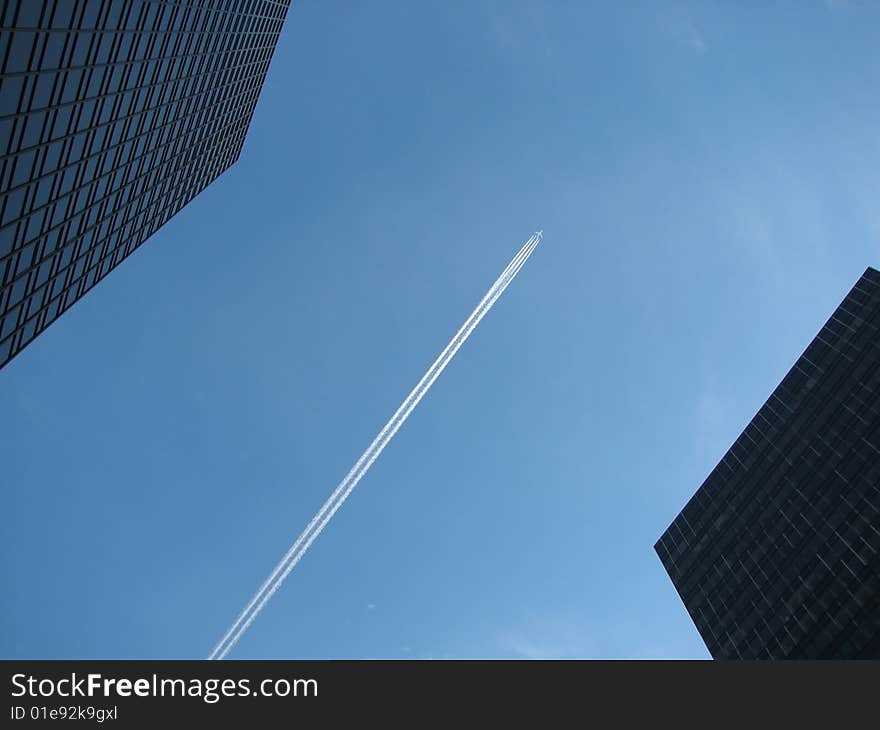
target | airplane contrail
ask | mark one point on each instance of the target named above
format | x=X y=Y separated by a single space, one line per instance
x=359 y=467
x=363 y=464
x=347 y=485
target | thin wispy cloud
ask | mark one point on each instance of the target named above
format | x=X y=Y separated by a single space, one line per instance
x=547 y=638
x=713 y=412
x=501 y=33
x=688 y=34
x=841 y=4
x=512 y=33
x=695 y=39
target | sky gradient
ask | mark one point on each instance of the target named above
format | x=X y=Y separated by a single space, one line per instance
x=706 y=177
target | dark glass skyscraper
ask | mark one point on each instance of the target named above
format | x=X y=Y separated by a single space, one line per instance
x=776 y=555
x=113 y=115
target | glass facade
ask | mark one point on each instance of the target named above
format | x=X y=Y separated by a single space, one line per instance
x=776 y=555
x=113 y=115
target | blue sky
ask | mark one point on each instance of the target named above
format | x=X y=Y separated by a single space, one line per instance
x=706 y=177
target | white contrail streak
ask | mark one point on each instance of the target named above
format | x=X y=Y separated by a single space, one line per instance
x=363 y=464
x=335 y=501
x=378 y=442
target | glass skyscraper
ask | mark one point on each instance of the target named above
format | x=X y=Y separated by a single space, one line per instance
x=777 y=555
x=113 y=115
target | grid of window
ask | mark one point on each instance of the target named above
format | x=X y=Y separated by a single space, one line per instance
x=777 y=555
x=113 y=115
